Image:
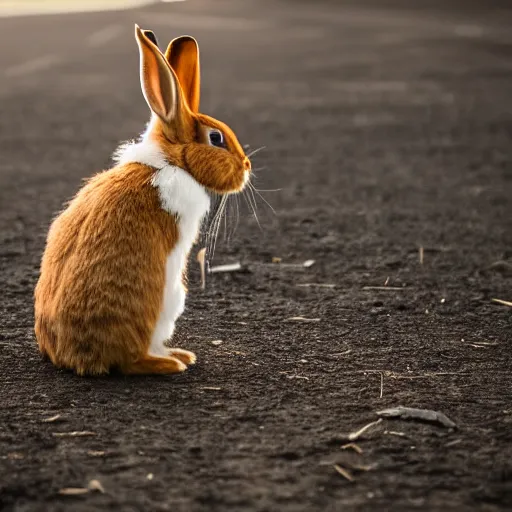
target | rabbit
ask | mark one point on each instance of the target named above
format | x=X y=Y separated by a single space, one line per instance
x=112 y=278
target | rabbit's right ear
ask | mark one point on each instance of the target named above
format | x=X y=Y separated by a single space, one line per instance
x=159 y=83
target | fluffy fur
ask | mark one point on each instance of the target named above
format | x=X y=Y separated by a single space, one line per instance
x=111 y=283
x=180 y=194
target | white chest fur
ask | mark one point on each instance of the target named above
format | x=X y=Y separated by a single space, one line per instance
x=181 y=195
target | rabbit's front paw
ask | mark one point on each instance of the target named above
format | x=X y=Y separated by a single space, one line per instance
x=185 y=356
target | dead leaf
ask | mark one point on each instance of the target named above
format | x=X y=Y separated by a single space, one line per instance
x=308 y=263
x=216 y=342
x=427 y=415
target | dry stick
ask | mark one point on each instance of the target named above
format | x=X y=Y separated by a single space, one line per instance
x=95 y=453
x=394 y=433
x=502 y=302
x=201 y=255
x=95 y=485
x=302 y=319
x=386 y=288
x=317 y=285
x=228 y=267
x=421 y=254
x=381 y=383
x=52 y=419
x=352 y=446
x=356 y=435
x=344 y=472
x=83 y=433
x=73 y=491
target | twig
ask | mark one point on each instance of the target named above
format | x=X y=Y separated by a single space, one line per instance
x=394 y=433
x=73 y=491
x=353 y=436
x=82 y=433
x=503 y=302
x=362 y=467
x=381 y=384
x=95 y=485
x=421 y=254
x=229 y=267
x=316 y=285
x=96 y=453
x=352 y=446
x=385 y=288
x=453 y=443
x=344 y=472
x=201 y=255
x=302 y=319
x=51 y=419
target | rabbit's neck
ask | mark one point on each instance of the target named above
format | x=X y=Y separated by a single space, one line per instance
x=180 y=194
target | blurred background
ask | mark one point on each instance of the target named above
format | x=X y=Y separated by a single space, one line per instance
x=364 y=105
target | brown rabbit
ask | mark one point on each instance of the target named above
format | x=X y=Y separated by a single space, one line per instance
x=111 y=284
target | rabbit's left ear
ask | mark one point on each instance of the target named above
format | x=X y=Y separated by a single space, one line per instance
x=158 y=81
x=183 y=56
x=151 y=36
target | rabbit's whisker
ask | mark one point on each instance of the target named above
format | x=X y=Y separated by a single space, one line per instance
x=254 y=151
x=264 y=200
x=251 y=206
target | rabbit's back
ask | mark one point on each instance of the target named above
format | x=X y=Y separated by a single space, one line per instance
x=103 y=272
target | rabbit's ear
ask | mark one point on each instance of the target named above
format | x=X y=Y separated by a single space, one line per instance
x=183 y=56
x=151 y=36
x=159 y=83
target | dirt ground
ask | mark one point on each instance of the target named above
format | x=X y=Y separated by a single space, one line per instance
x=387 y=128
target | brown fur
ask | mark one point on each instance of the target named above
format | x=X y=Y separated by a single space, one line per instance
x=100 y=292
x=104 y=252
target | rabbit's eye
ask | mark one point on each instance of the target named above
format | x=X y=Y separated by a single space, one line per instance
x=217 y=138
